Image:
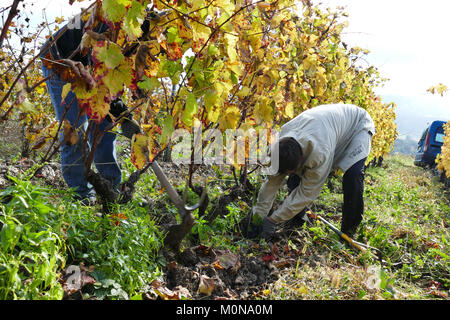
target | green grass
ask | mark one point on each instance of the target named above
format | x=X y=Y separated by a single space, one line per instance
x=407 y=215
x=44 y=231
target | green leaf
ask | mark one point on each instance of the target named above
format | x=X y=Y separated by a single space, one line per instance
x=9 y=235
x=134 y=19
x=172 y=67
x=149 y=83
x=362 y=294
x=25 y=204
x=115 y=10
x=234 y=77
x=137 y=297
x=119 y=77
x=213 y=50
x=211 y=98
x=110 y=54
x=167 y=129
x=190 y=109
x=172 y=35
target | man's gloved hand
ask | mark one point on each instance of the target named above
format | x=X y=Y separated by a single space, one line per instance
x=117 y=107
x=129 y=128
x=128 y=125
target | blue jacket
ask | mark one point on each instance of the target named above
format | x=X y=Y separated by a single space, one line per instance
x=69 y=42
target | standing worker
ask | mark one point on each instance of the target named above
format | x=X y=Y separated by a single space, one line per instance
x=310 y=146
x=65 y=51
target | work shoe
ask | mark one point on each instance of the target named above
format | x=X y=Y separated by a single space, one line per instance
x=254 y=228
x=268 y=229
x=88 y=201
x=253 y=231
x=298 y=220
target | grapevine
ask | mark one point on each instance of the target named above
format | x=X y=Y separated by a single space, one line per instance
x=218 y=64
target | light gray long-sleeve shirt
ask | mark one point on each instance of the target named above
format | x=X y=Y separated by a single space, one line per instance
x=331 y=137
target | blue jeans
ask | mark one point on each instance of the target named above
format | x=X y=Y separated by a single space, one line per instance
x=72 y=156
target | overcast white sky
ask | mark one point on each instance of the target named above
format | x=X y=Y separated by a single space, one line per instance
x=408 y=42
x=408 y=39
x=54 y=8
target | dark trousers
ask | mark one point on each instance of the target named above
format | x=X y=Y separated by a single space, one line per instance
x=353 y=186
x=353 y=208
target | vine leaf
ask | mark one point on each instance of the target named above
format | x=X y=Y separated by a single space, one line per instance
x=65 y=91
x=45 y=135
x=145 y=62
x=109 y=53
x=173 y=51
x=153 y=133
x=133 y=20
x=190 y=109
x=22 y=102
x=96 y=103
x=70 y=133
x=119 y=77
x=115 y=10
x=139 y=150
x=167 y=129
x=230 y=118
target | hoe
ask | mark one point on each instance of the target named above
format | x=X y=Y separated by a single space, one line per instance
x=177 y=232
x=357 y=245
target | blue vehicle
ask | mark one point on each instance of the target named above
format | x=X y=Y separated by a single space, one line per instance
x=430 y=144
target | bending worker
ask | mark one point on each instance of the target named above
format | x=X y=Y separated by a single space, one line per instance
x=319 y=140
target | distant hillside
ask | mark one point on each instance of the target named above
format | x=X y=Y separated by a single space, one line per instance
x=414 y=114
x=405 y=145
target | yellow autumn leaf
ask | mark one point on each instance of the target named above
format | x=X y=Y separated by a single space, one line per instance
x=263 y=110
x=65 y=91
x=184 y=28
x=439 y=89
x=97 y=105
x=152 y=148
x=245 y=91
x=139 y=150
x=70 y=133
x=119 y=77
x=230 y=41
x=230 y=118
x=263 y=5
x=49 y=132
x=289 y=110
x=206 y=285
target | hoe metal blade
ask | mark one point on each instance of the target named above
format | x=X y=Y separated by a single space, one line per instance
x=177 y=233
